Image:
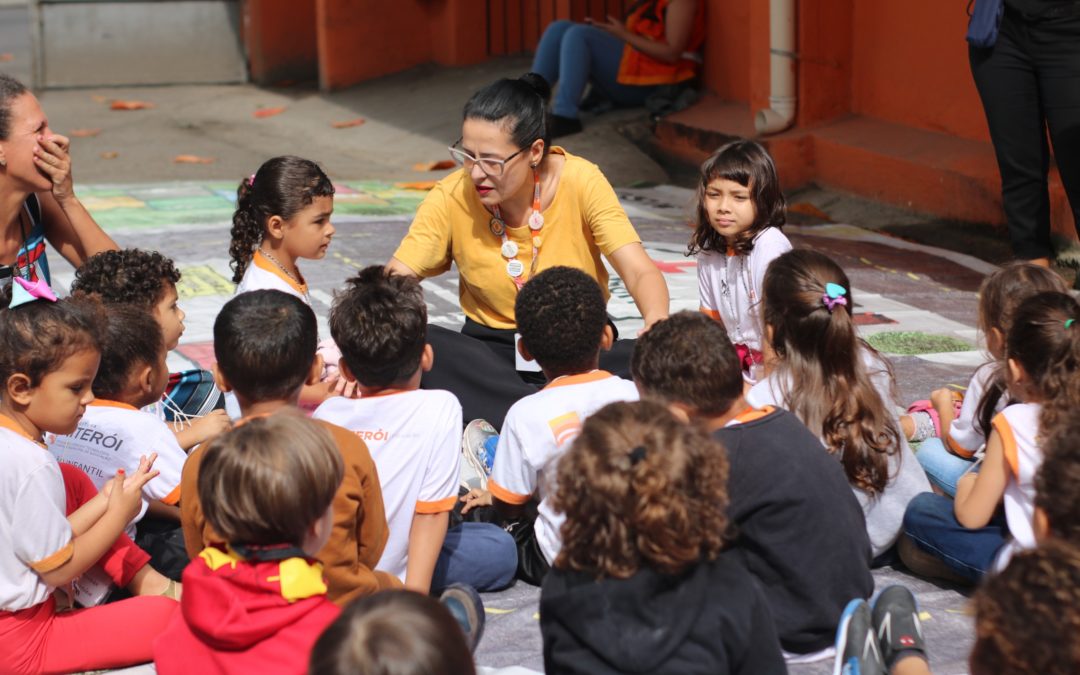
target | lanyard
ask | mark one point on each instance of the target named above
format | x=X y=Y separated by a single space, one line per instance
x=509 y=250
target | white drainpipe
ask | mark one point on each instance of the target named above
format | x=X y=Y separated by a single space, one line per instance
x=782 y=97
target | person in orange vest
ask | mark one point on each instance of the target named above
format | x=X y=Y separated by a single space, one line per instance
x=626 y=61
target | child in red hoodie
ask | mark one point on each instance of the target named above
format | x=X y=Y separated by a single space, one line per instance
x=258 y=604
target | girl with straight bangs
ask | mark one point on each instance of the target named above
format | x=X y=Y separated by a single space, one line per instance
x=740 y=210
x=642 y=583
x=818 y=368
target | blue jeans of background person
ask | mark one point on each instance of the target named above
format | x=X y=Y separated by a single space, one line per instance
x=931 y=523
x=942 y=467
x=481 y=555
x=573 y=54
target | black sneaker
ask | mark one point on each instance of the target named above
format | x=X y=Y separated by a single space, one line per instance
x=564 y=126
x=857 y=651
x=897 y=625
x=467 y=609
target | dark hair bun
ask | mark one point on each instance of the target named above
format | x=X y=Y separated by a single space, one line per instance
x=538 y=84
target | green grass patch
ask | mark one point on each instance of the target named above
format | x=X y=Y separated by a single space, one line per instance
x=910 y=343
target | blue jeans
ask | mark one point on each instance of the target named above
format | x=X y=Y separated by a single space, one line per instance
x=481 y=555
x=942 y=467
x=931 y=523
x=573 y=54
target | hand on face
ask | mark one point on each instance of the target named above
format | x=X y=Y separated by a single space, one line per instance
x=52 y=159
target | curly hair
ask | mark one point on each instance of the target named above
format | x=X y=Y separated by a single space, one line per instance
x=1045 y=341
x=379 y=323
x=10 y=89
x=820 y=366
x=265 y=342
x=267 y=481
x=561 y=316
x=688 y=359
x=132 y=338
x=1028 y=616
x=748 y=164
x=393 y=633
x=281 y=187
x=640 y=489
x=1057 y=483
x=1000 y=295
x=37 y=337
x=131 y=277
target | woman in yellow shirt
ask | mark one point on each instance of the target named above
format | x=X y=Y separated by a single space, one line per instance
x=517 y=207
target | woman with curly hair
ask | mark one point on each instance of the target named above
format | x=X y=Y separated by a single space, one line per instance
x=37 y=195
x=641 y=583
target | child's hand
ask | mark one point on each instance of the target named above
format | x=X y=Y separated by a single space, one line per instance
x=125 y=494
x=941 y=399
x=339 y=386
x=475 y=498
x=210 y=425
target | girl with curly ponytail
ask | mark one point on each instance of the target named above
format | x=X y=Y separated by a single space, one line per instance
x=642 y=582
x=282 y=214
x=1043 y=356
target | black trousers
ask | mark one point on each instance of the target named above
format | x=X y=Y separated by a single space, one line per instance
x=1029 y=82
x=477 y=365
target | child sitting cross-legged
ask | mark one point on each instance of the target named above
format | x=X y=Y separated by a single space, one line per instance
x=643 y=583
x=115 y=431
x=563 y=326
x=265 y=343
x=798 y=528
x=257 y=603
x=380 y=324
x=147 y=280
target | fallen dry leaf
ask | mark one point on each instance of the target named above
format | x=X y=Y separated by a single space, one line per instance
x=111 y=154
x=6 y=56
x=807 y=209
x=269 y=112
x=84 y=133
x=130 y=105
x=416 y=185
x=348 y=123
x=435 y=166
x=192 y=159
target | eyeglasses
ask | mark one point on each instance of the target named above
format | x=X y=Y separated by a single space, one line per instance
x=489 y=165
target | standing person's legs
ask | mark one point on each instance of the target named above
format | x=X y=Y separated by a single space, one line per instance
x=546 y=59
x=481 y=555
x=1055 y=47
x=1008 y=86
x=930 y=522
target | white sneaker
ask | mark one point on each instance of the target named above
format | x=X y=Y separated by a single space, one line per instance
x=475 y=470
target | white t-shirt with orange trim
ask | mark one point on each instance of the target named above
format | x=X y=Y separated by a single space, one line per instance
x=35 y=536
x=111 y=436
x=742 y=276
x=1018 y=426
x=965 y=438
x=415 y=439
x=263 y=274
x=537 y=431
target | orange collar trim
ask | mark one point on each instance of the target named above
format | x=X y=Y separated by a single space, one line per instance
x=262 y=262
x=580 y=378
x=10 y=424
x=105 y=403
x=751 y=414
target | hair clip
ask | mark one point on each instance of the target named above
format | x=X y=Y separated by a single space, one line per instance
x=1069 y=322
x=24 y=292
x=833 y=296
x=251 y=181
x=637 y=454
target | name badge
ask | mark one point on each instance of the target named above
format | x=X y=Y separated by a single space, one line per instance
x=519 y=362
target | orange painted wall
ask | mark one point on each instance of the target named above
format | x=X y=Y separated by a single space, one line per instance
x=910 y=66
x=280 y=39
x=727 y=49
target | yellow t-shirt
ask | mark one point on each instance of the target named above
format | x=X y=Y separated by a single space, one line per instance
x=583 y=221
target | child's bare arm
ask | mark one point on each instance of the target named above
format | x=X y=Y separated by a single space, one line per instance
x=124 y=501
x=979 y=494
x=89 y=513
x=942 y=400
x=203 y=429
x=425 y=541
